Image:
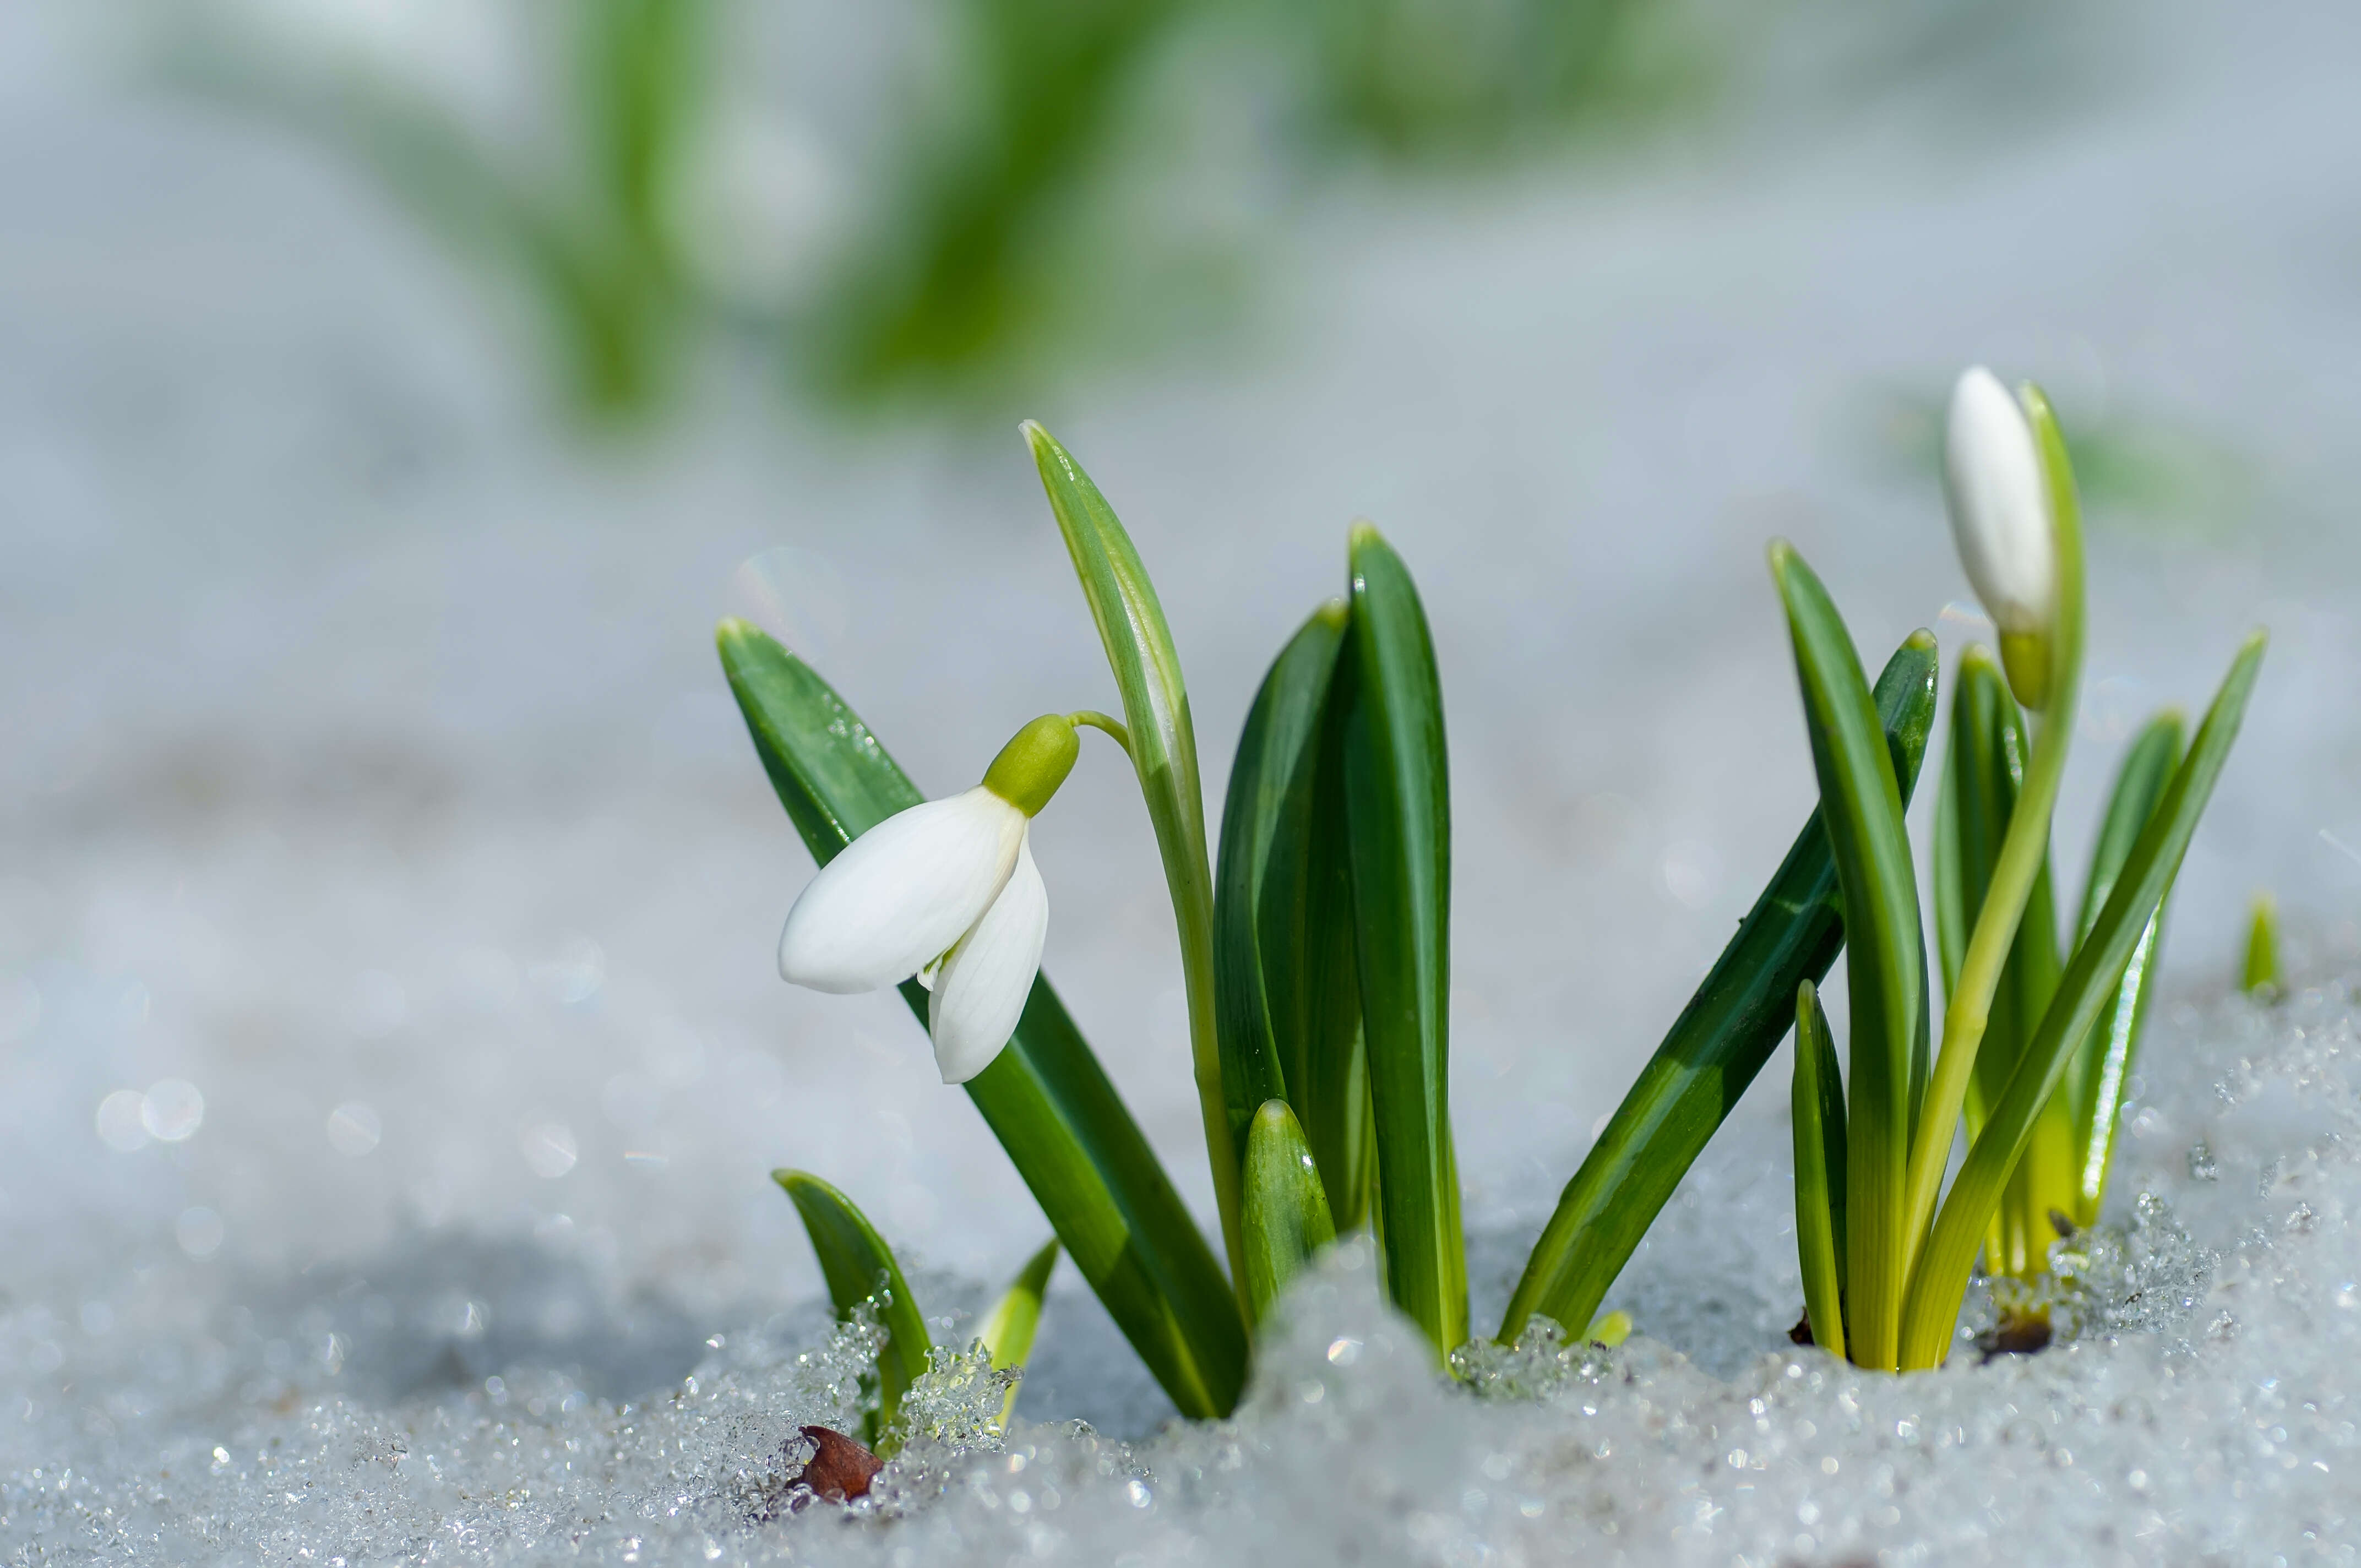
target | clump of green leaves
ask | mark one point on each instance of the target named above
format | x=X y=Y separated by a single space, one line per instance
x=2037 y=1037
x=1314 y=946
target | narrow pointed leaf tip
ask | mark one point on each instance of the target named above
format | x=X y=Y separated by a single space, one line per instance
x=2262 y=972
x=1007 y=1333
x=1287 y=1217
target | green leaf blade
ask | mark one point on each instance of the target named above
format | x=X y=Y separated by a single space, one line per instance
x=1399 y=809
x=1287 y=1218
x=1886 y=964
x=1008 y=1329
x=2094 y=976
x=1818 y=1108
x=1728 y=1029
x=1045 y=1097
x=2103 y=1063
x=859 y=1267
x=2140 y=782
x=1288 y=995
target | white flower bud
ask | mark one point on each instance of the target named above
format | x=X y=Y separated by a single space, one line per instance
x=1998 y=500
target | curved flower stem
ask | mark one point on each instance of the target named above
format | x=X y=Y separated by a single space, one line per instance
x=1104 y=723
x=1968 y=1008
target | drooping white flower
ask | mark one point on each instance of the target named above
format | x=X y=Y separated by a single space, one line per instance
x=1999 y=497
x=902 y=894
x=945 y=891
x=981 y=989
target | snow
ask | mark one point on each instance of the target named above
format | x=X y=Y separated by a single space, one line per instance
x=2202 y=1412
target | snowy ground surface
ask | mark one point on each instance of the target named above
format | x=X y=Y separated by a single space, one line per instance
x=390 y=1054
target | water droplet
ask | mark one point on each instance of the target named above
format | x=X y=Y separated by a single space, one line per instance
x=120 y=1126
x=548 y=1146
x=199 y=1231
x=353 y=1128
x=173 y=1110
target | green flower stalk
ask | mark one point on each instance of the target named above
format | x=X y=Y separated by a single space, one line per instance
x=2019 y=526
x=1163 y=747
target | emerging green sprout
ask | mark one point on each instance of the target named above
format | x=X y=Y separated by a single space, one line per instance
x=2261 y=976
x=2036 y=1044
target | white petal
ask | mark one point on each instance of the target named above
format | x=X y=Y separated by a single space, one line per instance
x=901 y=894
x=2000 y=503
x=982 y=990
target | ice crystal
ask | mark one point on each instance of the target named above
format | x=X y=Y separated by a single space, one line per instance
x=1540 y=1363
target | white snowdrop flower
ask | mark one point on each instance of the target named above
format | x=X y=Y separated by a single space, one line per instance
x=946 y=891
x=1999 y=497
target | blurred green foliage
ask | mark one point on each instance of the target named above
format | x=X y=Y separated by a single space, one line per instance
x=1414 y=80
x=1040 y=185
x=950 y=277
x=584 y=232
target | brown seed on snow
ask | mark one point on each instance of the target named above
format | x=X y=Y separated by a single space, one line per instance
x=839 y=1471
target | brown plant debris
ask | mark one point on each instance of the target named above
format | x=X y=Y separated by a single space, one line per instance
x=839 y=1471
x=2016 y=1333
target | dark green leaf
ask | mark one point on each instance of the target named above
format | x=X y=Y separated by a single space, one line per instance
x=1398 y=797
x=1045 y=1097
x=1286 y=1210
x=859 y=1267
x=2093 y=977
x=1722 y=1037
x=1289 y=999
x=1817 y=1107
